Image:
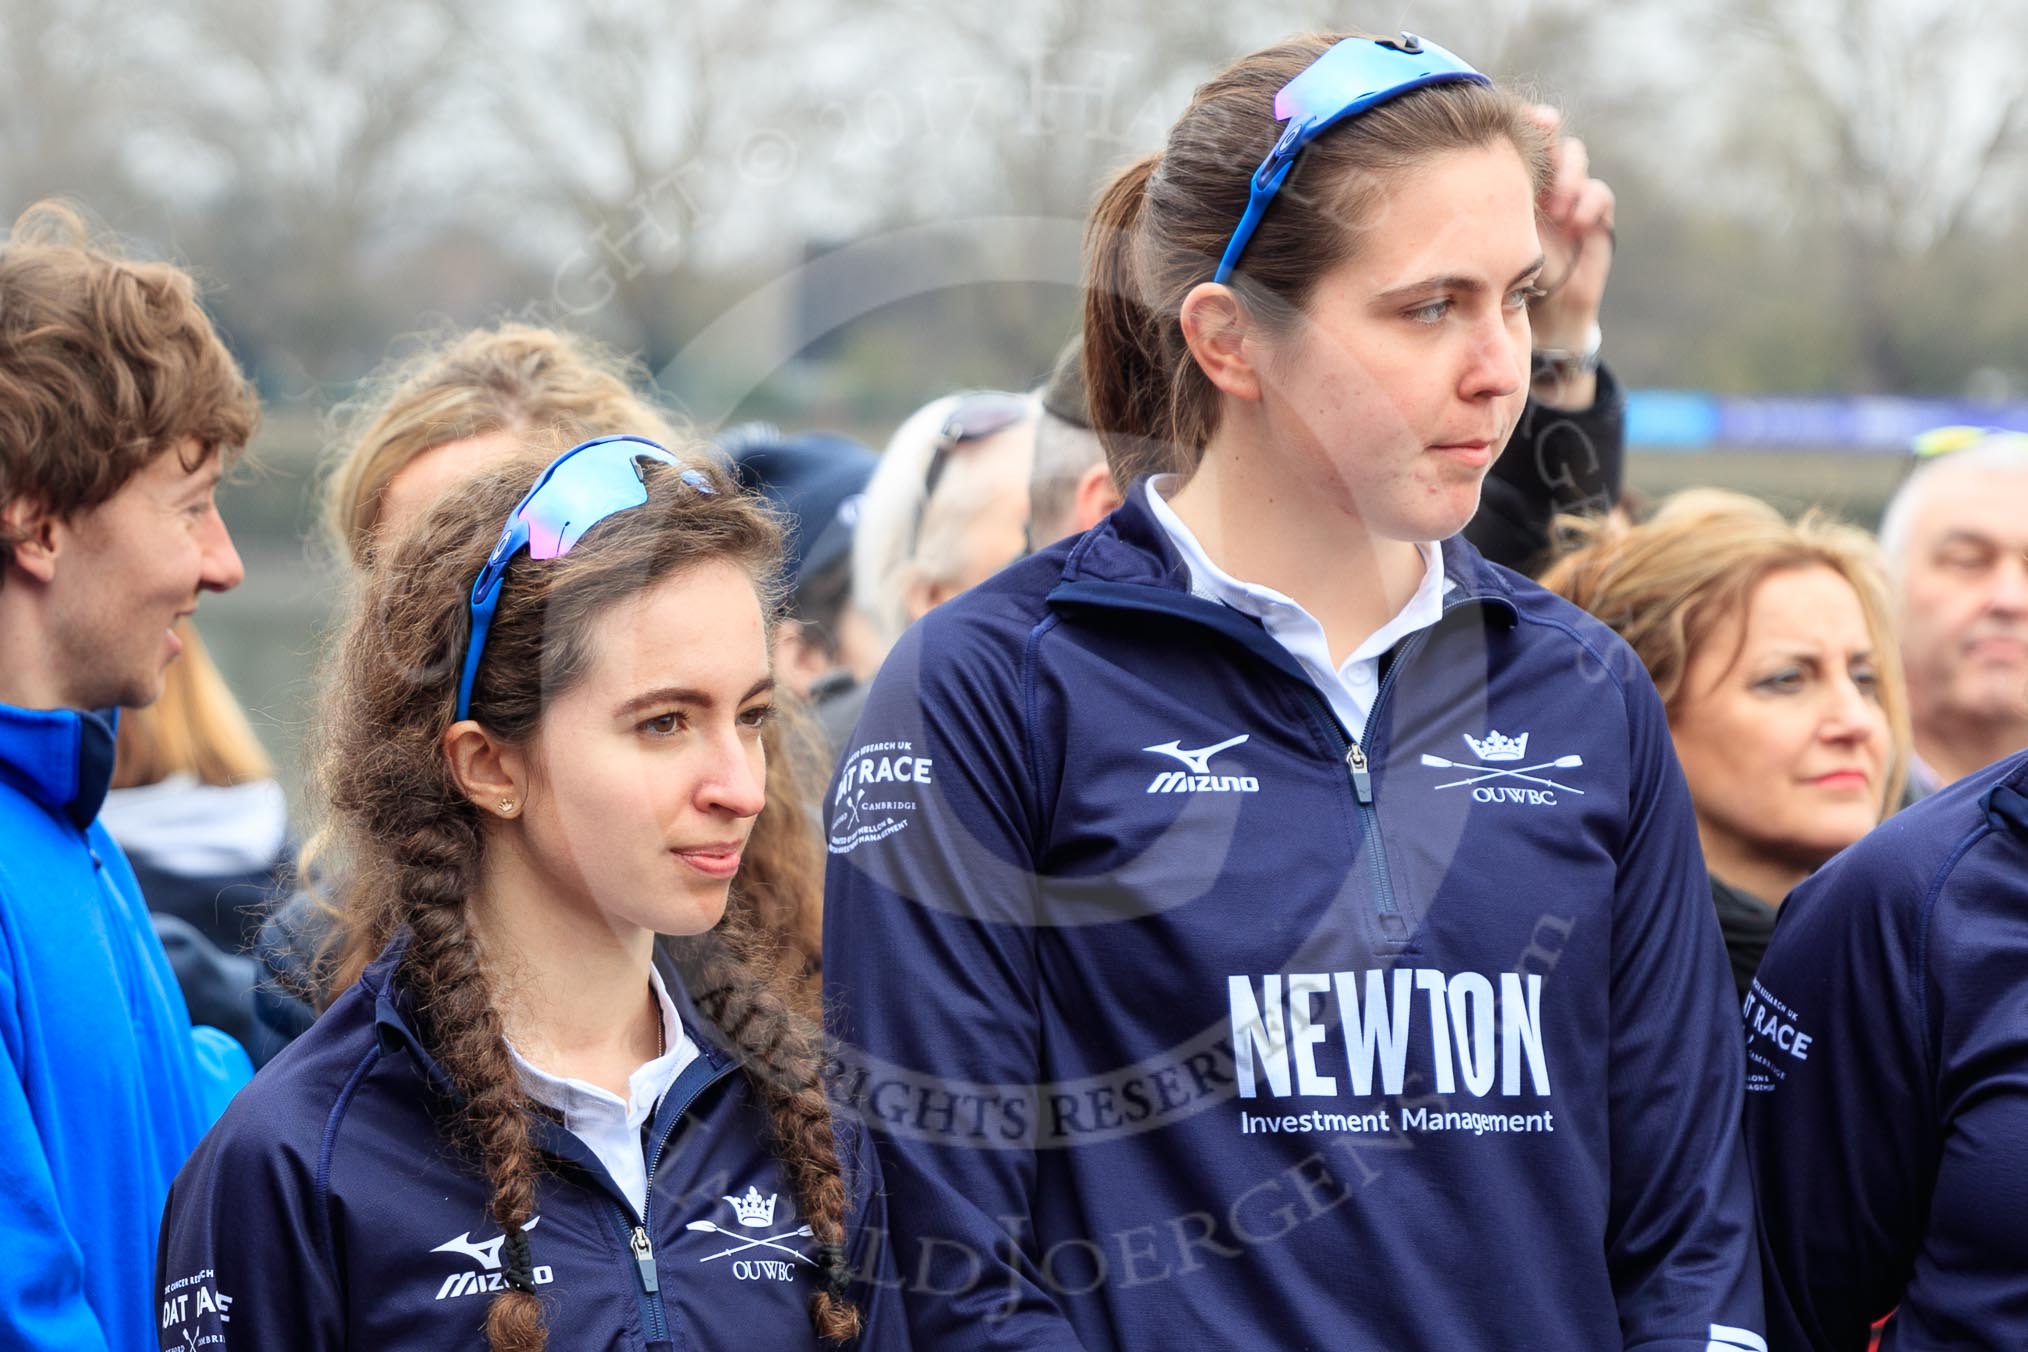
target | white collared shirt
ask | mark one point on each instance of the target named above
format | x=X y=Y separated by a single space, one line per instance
x=610 y=1127
x=1350 y=688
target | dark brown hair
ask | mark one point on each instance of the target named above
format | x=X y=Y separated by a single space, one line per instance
x=554 y=387
x=1162 y=224
x=105 y=363
x=410 y=842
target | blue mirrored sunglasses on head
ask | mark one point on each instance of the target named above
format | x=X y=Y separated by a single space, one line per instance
x=582 y=487
x=1356 y=74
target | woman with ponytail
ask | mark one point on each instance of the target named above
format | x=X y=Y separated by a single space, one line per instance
x=572 y=1103
x=1261 y=921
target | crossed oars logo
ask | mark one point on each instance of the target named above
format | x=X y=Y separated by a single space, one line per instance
x=1485 y=772
x=800 y=1232
x=754 y=1212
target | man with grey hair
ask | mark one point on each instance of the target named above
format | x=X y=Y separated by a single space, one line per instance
x=1071 y=488
x=1955 y=540
x=946 y=509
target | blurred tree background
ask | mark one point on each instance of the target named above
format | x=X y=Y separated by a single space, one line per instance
x=1814 y=194
x=829 y=211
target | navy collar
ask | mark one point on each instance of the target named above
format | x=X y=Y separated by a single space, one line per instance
x=1130 y=547
x=2004 y=805
x=61 y=758
x=396 y=1030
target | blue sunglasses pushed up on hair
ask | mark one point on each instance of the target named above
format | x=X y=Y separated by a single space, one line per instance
x=582 y=487
x=1355 y=75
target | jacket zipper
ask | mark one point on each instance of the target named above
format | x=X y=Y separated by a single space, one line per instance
x=653 y=1317
x=114 y=907
x=1357 y=765
x=1393 y=925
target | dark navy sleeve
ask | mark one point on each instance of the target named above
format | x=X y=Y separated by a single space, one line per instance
x=929 y=970
x=1840 y=1112
x=1680 y=1233
x=244 y=1262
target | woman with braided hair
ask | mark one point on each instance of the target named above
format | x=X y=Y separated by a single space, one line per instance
x=572 y=1101
x=430 y=418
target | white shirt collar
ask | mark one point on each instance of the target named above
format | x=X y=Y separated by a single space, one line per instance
x=578 y=1099
x=1213 y=583
x=610 y=1128
x=1352 y=687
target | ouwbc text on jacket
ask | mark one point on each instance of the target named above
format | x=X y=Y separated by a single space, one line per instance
x=326 y=1210
x=1177 y=1010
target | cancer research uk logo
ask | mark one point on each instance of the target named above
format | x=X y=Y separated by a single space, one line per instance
x=1495 y=780
x=878 y=790
x=196 y=1309
x=755 y=1212
x=1196 y=776
x=488 y=1276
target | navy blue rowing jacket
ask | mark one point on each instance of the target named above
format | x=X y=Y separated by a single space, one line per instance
x=1887 y=1094
x=326 y=1211
x=1179 y=1015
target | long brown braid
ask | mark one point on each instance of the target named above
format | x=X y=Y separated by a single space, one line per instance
x=751 y=998
x=412 y=842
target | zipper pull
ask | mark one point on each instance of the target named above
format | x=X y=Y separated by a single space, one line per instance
x=644 y=1258
x=1362 y=782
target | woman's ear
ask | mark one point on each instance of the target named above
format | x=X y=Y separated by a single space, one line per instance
x=1217 y=331
x=491 y=773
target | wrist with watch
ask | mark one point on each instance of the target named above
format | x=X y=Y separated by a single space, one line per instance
x=1565 y=363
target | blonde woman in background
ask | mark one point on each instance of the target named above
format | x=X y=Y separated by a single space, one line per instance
x=433 y=420
x=1771 y=644
x=429 y=421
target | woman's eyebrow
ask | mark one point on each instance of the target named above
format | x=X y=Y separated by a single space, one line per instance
x=673 y=694
x=1454 y=282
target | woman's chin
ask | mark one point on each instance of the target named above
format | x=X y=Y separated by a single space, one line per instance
x=693 y=911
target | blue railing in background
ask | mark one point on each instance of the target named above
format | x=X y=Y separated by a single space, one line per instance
x=1685 y=420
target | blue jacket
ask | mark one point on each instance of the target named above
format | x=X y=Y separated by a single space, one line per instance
x=108 y=1087
x=1177 y=1010
x=326 y=1211
x=1887 y=1094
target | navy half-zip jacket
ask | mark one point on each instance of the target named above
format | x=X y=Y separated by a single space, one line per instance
x=1887 y=1092
x=326 y=1210
x=1182 y=1018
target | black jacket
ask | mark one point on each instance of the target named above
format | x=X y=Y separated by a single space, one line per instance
x=1557 y=461
x=1747 y=923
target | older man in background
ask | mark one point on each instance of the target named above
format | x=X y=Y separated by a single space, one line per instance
x=1071 y=488
x=1956 y=542
x=946 y=509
